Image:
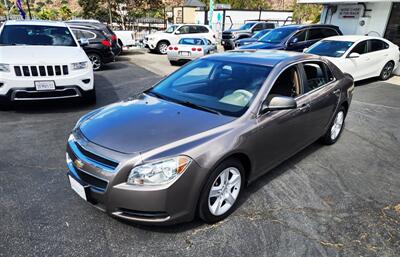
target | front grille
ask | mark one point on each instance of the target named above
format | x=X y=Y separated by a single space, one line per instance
x=32 y=95
x=227 y=35
x=142 y=214
x=92 y=180
x=35 y=71
x=96 y=157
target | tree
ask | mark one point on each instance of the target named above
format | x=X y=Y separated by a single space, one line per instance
x=47 y=14
x=65 y=12
x=306 y=13
x=244 y=4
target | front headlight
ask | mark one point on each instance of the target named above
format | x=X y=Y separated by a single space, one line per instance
x=159 y=172
x=79 y=65
x=4 y=67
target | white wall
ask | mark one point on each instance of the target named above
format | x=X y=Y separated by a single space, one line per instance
x=375 y=23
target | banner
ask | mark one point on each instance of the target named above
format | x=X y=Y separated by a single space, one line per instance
x=21 y=11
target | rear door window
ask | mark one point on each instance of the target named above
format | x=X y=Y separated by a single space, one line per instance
x=329 y=32
x=202 y=29
x=377 y=45
x=317 y=74
x=314 y=34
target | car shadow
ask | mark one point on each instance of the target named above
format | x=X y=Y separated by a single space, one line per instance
x=247 y=193
x=365 y=82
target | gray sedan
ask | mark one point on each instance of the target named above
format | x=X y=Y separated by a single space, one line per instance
x=189 y=145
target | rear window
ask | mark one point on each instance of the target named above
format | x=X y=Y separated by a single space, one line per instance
x=191 y=41
x=36 y=35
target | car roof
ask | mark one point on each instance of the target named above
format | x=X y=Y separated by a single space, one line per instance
x=36 y=23
x=268 y=58
x=351 y=38
x=302 y=26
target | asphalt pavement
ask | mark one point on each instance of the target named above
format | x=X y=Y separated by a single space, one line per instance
x=340 y=200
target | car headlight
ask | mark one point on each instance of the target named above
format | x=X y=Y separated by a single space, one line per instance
x=160 y=172
x=4 y=67
x=80 y=65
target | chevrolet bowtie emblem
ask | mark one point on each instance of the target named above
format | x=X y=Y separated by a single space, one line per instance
x=78 y=163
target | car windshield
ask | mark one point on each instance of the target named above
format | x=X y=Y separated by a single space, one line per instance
x=226 y=88
x=247 y=26
x=330 y=48
x=276 y=36
x=261 y=33
x=171 y=29
x=191 y=41
x=36 y=35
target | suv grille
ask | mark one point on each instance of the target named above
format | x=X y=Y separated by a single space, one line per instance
x=41 y=71
x=227 y=35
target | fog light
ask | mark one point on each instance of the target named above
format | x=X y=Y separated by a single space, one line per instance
x=86 y=81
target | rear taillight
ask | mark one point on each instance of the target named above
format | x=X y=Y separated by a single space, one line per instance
x=113 y=37
x=176 y=48
x=193 y=49
x=199 y=49
x=105 y=42
x=170 y=48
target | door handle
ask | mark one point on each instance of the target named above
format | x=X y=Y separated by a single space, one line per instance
x=304 y=108
x=336 y=92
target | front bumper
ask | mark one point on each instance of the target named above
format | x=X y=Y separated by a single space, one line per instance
x=80 y=81
x=228 y=43
x=107 y=190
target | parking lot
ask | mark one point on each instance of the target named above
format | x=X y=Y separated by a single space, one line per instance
x=340 y=200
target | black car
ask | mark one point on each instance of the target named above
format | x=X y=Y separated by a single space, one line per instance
x=116 y=47
x=253 y=39
x=99 y=47
x=230 y=36
x=294 y=37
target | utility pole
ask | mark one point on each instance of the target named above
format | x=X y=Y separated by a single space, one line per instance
x=29 y=9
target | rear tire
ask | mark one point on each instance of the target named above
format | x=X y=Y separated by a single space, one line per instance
x=173 y=63
x=387 y=71
x=335 y=128
x=219 y=197
x=96 y=61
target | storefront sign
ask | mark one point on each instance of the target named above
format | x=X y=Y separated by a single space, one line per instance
x=349 y=12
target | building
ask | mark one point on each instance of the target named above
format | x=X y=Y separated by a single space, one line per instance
x=369 y=17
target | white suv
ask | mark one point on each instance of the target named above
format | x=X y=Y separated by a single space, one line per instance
x=160 y=40
x=42 y=60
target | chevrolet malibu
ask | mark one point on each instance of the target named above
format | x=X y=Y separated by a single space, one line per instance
x=189 y=145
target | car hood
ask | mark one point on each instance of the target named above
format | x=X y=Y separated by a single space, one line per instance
x=145 y=123
x=262 y=45
x=19 y=55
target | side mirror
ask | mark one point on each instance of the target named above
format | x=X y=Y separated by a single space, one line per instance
x=279 y=103
x=353 y=55
x=83 y=42
x=177 y=32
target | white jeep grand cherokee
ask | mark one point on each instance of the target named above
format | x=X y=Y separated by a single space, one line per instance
x=160 y=40
x=42 y=60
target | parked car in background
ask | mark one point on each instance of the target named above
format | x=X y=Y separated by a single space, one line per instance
x=230 y=36
x=98 y=49
x=117 y=49
x=41 y=60
x=226 y=120
x=125 y=38
x=360 y=56
x=189 y=49
x=251 y=40
x=294 y=37
x=159 y=41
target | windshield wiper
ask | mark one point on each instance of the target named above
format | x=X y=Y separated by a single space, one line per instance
x=149 y=92
x=198 y=107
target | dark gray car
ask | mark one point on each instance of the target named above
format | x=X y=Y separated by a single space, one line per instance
x=190 y=144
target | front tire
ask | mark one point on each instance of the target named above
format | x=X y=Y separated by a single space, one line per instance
x=335 y=128
x=387 y=71
x=162 y=47
x=221 y=192
x=96 y=61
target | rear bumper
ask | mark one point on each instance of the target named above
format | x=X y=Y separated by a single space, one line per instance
x=175 y=56
x=107 y=190
x=108 y=57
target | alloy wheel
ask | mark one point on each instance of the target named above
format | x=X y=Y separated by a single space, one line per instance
x=163 y=48
x=224 y=191
x=387 y=71
x=337 y=125
x=96 y=62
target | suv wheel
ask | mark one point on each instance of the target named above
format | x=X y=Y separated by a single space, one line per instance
x=96 y=61
x=162 y=47
x=221 y=192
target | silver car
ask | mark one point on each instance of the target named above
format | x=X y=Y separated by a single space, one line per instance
x=189 y=49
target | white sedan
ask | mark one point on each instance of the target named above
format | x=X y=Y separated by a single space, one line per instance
x=189 y=49
x=360 y=56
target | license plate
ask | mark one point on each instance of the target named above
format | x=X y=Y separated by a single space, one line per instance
x=45 y=85
x=77 y=187
x=185 y=53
